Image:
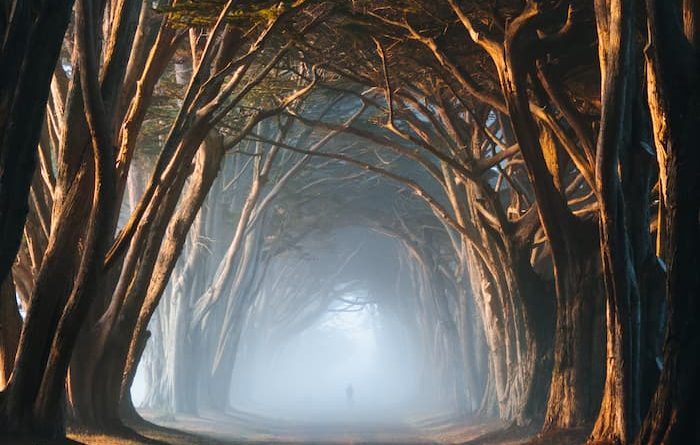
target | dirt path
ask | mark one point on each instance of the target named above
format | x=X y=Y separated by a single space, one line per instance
x=246 y=428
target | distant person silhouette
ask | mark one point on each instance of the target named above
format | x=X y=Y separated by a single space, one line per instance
x=349 y=392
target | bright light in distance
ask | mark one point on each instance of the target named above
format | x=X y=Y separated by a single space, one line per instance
x=307 y=376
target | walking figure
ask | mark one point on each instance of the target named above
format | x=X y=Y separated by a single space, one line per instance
x=349 y=394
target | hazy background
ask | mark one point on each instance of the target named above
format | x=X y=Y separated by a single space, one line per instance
x=299 y=370
x=306 y=376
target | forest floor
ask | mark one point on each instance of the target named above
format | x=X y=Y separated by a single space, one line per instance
x=235 y=428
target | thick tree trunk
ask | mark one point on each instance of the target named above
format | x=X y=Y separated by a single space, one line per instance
x=673 y=414
x=33 y=44
x=576 y=384
x=32 y=403
x=619 y=417
x=517 y=319
x=127 y=410
x=673 y=77
x=574 y=388
x=53 y=287
x=538 y=326
x=110 y=363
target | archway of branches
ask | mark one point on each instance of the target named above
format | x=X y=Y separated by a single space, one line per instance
x=524 y=175
x=344 y=243
x=349 y=350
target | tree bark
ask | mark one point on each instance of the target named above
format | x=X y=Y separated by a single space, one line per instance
x=673 y=79
x=619 y=417
x=33 y=41
x=573 y=389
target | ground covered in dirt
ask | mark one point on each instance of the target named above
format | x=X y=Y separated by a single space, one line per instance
x=242 y=428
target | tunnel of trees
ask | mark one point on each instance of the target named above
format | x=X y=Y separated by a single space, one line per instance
x=514 y=185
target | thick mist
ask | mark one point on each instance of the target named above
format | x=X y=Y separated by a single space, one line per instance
x=350 y=365
x=354 y=361
x=331 y=337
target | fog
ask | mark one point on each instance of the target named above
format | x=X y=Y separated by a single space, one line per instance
x=349 y=365
x=356 y=361
x=331 y=337
x=311 y=292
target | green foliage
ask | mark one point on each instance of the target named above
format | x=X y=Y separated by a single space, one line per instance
x=246 y=14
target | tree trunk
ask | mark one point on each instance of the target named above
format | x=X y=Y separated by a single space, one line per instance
x=619 y=417
x=10 y=328
x=116 y=338
x=673 y=76
x=577 y=376
x=574 y=387
x=33 y=43
x=53 y=287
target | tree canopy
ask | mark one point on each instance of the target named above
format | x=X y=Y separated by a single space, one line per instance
x=169 y=170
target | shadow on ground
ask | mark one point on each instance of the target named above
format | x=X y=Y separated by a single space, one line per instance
x=246 y=428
